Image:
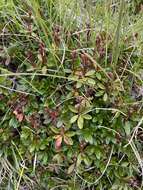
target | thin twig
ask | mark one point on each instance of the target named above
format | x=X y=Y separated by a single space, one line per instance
x=134 y=132
x=110 y=156
x=19 y=91
x=106 y=109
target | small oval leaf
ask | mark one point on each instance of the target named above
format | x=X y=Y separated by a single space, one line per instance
x=78 y=85
x=80 y=122
x=105 y=97
x=71 y=169
x=91 y=81
x=90 y=73
x=87 y=116
x=72 y=109
x=98 y=75
x=58 y=142
x=73 y=119
x=79 y=160
x=101 y=86
x=68 y=140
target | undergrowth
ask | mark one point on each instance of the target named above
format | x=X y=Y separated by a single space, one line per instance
x=71 y=94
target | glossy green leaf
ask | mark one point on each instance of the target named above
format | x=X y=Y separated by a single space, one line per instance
x=73 y=119
x=78 y=85
x=91 y=81
x=80 y=122
x=90 y=73
x=87 y=116
x=105 y=97
x=101 y=86
x=98 y=75
x=72 y=109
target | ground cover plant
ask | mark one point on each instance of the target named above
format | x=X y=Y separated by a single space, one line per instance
x=71 y=94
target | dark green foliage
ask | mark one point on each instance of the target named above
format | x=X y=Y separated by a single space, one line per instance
x=68 y=116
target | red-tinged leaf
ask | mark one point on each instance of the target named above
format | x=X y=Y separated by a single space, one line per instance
x=15 y=112
x=54 y=115
x=57 y=136
x=58 y=142
x=19 y=116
